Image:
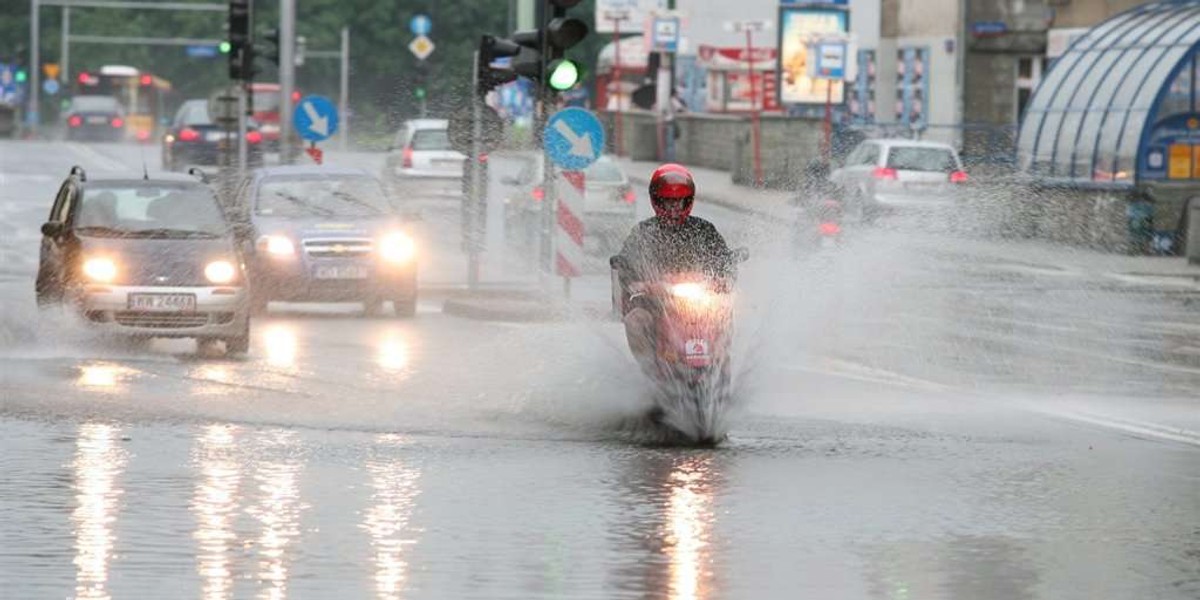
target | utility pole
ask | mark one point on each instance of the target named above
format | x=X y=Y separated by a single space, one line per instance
x=287 y=76
x=344 y=96
x=64 y=53
x=35 y=71
x=473 y=214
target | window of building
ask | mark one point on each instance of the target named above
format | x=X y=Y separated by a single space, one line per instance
x=1029 y=73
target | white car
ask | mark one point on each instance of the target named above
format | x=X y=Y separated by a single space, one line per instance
x=892 y=175
x=421 y=160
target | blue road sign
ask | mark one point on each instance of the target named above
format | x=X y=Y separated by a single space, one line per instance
x=50 y=86
x=665 y=36
x=205 y=51
x=315 y=118
x=420 y=25
x=574 y=138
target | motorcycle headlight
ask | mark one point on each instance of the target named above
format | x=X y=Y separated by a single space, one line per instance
x=220 y=271
x=101 y=270
x=397 y=247
x=691 y=292
x=277 y=245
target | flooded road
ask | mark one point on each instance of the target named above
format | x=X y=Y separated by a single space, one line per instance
x=917 y=420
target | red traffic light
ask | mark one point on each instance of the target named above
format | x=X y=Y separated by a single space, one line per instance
x=147 y=80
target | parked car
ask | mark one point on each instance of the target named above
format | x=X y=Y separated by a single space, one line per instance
x=888 y=175
x=149 y=257
x=421 y=160
x=194 y=139
x=325 y=234
x=609 y=208
x=96 y=118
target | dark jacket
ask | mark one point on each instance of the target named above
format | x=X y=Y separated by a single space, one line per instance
x=654 y=249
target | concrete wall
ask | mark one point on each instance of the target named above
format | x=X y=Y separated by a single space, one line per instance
x=1086 y=13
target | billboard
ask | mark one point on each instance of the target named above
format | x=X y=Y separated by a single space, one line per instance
x=798 y=26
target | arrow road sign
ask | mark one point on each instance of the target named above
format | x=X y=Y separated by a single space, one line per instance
x=421 y=47
x=317 y=118
x=574 y=138
x=420 y=25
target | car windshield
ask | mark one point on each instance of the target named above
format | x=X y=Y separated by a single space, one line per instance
x=606 y=171
x=321 y=196
x=431 y=139
x=195 y=113
x=266 y=101
x=922 y=159
x=149 y=210
x=95 y=103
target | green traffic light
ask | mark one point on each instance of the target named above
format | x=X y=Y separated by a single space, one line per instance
x=224 y=47
x=420 y=93
x=21 y=76
x=564 y=74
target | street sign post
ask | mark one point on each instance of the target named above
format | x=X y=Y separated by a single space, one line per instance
x=749 y=28
x=574 y=138
x=665 y=34
x=420 y=25
x=316 y=118
x=421 y=47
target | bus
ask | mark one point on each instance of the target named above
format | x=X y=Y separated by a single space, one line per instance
x=149 y=100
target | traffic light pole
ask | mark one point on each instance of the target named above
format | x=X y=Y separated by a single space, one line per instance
x=287 y=76
x=474 y=199
x=35 y=72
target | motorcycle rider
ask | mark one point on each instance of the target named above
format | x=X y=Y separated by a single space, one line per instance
x=672 y=241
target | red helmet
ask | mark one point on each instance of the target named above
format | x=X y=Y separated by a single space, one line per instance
x=672 y=191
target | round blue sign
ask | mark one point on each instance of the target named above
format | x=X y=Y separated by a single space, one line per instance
x=315 y=118
x=574 y=138
x=420 y=25
x=50 y=86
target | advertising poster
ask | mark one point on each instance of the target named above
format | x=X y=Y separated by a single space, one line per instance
x=912 y=86
x=797 y=27
x=862 y=100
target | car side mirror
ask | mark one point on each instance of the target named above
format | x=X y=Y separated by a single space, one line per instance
x=741 y=255
x=617 y=262
x=52 y=229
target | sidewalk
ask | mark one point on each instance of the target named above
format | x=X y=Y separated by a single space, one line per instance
x=717 y=187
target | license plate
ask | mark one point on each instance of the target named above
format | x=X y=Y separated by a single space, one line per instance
x=214 y=136
x=97 y=120
x=341 y=272
x=163 y=302
x=447 y=163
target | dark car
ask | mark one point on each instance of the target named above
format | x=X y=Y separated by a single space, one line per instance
x=145 y=257
x=194 y=139
x=97 y=118
x=326 y=234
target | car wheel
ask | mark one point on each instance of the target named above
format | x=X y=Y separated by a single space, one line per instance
x=239 y=345
x=405 y=308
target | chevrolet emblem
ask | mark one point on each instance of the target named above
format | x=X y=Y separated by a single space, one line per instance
x=339 y=248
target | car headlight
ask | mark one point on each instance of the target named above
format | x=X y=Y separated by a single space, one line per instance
x=102 y=270
x=277 y=245
x=397 y=247
x=691 y=292
x=220 y=271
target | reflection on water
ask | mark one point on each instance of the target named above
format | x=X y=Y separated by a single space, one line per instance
x=99 y=461
x=102 y=375
x=393 y=352
x=395 y=489
x=281 y=345
x=278 y=512
x=215 y=507
x=689 y=520
x=979 y=567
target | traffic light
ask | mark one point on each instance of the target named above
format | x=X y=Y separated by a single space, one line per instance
x=224 y=47
x=490 y=49
x=561 y=33
x=271 y=48
x=241 y=44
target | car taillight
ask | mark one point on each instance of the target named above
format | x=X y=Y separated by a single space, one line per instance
x=884 y=174
x=958 y=177
x=118 y=122
x=189 y=135
x=538 y=193
x=629 y=196
x=143 y=135
x=408 y=157
x=253 y=137
x=75 y=121
x=829 y=229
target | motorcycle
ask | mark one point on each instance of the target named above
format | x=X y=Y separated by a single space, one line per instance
x=692 y=335
x=819 y=225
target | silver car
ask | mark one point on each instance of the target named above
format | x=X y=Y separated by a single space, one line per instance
x=892 y=175
x=421 y=160
x=145 y=258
